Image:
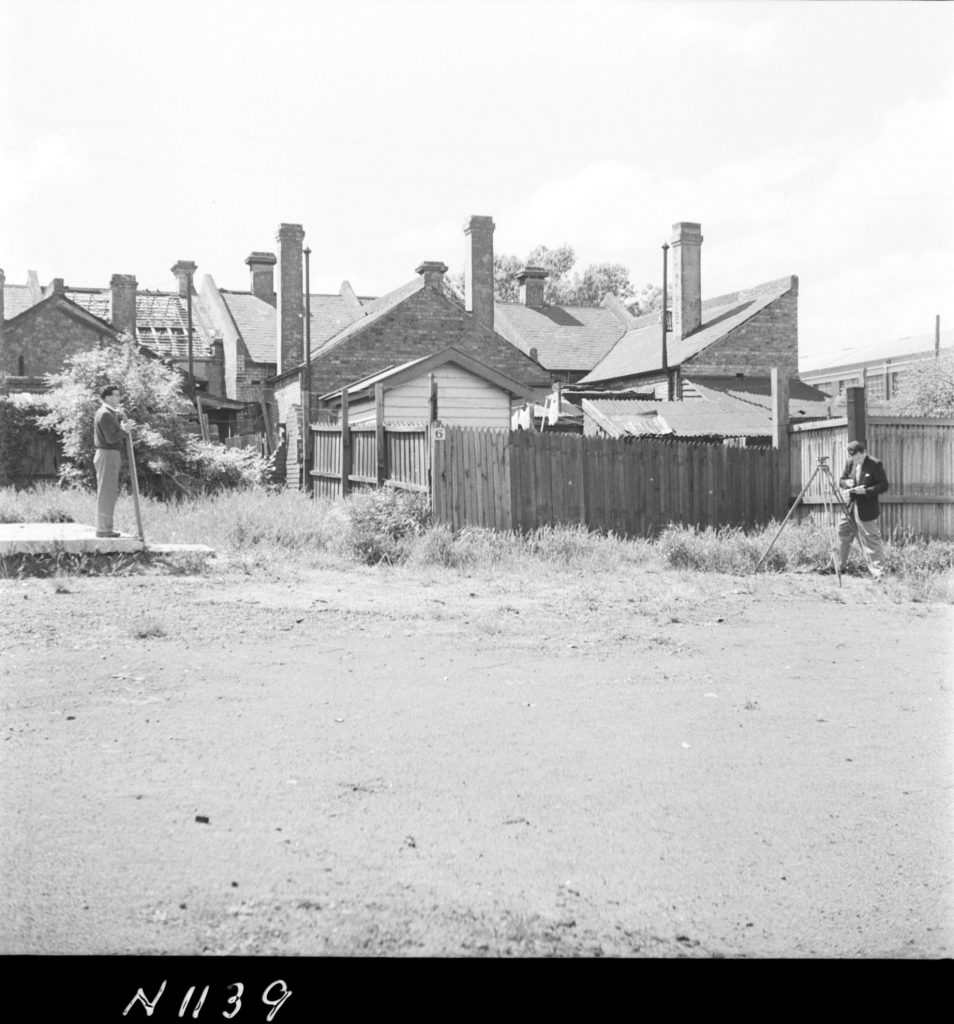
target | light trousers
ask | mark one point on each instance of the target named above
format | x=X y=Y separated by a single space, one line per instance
x=869 y=534
x=106 y=463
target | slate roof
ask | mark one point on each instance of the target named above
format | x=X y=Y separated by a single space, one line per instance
x=693 y=418
x=256 y=321
x=639 y=349
x=17 y=299
x=565 y=337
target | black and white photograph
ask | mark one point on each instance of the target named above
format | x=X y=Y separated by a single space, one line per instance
x=476 y=483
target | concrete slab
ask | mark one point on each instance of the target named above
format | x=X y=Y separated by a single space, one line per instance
x=78 y=538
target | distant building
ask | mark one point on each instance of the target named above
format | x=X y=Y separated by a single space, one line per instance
x=879 y=367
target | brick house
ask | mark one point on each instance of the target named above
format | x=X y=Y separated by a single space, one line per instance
x=744 y=333
x=41 y=327
x=418 y=319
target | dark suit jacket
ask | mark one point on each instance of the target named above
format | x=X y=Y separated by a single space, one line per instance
x=874 y=480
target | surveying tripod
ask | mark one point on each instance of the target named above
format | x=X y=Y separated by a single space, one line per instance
x=832 y=500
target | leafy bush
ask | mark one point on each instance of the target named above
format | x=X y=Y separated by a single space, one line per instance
x=384 y=522
x=19 y=425
x=170 y=461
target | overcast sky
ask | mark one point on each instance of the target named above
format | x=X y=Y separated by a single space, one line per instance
x=807 y=138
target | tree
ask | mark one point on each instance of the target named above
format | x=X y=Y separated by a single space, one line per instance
x=170 y=460
x=926 y=389
x=564 y=286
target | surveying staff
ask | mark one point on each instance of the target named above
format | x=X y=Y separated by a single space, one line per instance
x=109 y=437
x=864 y=479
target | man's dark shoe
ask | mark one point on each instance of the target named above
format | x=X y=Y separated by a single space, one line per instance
x=107 y=533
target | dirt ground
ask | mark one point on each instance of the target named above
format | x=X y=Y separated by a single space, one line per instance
x=380 y=761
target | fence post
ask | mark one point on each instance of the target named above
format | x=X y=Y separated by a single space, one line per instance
x=379 y=440
x=855 y=412
x=345 y=445
x=781 y=388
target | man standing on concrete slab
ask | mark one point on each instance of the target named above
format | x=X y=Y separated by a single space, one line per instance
x=864 y=479
x=109 y=438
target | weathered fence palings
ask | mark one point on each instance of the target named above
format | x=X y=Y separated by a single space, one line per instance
x=632 y=487
x=918 y=456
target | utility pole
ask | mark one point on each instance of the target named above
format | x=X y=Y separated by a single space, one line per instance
x=189 y=324
x=306 y=380
x=665 y=352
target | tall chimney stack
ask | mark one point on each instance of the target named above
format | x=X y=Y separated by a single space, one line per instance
x=185 y=274
x=479 y=269
x=686 y=279
x=261 y=267
x=3 y=281
x=291 y=297
x=122 y=303
x=532 y=281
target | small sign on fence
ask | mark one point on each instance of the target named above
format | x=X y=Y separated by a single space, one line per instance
x=438 y=433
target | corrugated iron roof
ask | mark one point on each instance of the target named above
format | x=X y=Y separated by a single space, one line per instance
x=694 y=418
x=804 y=400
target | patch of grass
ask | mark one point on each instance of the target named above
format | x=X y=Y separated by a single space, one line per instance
x=45 y=503
x=68 y=563
x=275 y=533
x=147 y=628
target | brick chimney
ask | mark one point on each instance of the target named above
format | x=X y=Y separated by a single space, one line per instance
x=122 y=303
x=531 y=281
x=291 y=300
x=433 y=272
x=686 y=279
x=261 y=267
x=55 y=287
x=3 y=281
x=479 y=269
x=185 y=273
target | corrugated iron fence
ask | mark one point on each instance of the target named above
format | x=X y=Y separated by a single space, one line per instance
x=522 y=480
x=918 y=456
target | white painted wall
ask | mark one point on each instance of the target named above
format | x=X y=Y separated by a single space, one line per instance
x=463 y=400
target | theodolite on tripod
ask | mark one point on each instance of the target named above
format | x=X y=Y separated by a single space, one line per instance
x=831 y=498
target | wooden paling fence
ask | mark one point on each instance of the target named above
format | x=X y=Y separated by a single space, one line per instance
x=348 y=461
x=523 y=480
x=918 y=456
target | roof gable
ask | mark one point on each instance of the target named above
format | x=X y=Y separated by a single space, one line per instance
x=66 y=305
x=640 y=350
x=414 y=368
